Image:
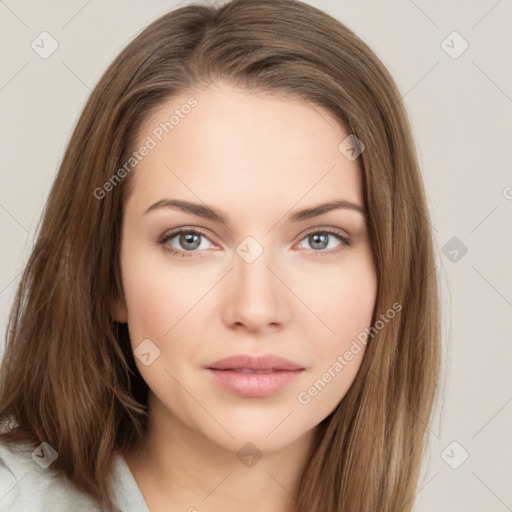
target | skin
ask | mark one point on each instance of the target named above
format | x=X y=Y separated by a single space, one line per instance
x=257 y=158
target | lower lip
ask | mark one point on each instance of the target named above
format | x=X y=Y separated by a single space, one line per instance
x=254 y=384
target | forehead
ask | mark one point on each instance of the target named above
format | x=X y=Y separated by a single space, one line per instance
x=247 y=147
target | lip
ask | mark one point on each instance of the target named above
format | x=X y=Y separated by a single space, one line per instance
x=247 y=362
x=242 y=375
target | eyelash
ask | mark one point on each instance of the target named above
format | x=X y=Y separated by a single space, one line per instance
x=176 y=252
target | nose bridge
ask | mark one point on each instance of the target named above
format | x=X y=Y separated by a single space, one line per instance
x=256 y=295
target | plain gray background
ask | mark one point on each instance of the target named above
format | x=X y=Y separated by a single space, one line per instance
x=460 y=105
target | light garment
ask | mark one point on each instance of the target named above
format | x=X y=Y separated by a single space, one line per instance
x=26 y=487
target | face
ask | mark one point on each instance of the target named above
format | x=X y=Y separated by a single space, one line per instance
x=217 y=262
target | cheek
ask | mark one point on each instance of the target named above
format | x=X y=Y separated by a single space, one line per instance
x=343 y=301
x=159 y=304
x=157 y=296
x=345 y=305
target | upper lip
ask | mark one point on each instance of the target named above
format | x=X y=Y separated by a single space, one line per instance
x=247 y=362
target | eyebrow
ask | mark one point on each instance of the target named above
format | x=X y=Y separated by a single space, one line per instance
x=215 y=215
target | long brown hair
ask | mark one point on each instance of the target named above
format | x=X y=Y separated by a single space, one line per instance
x=68 y=375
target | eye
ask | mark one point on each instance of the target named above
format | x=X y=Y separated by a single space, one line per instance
x=319 y=240
x=188 y=240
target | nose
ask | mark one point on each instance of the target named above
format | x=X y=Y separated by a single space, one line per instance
x=255 y=297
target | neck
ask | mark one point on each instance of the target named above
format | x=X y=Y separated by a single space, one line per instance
x=178 y=468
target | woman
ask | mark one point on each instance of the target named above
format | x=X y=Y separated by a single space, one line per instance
x=230 y=304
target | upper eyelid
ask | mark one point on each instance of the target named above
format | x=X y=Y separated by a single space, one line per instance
x=185 y=229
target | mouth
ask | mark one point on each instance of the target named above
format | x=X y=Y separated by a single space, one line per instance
x=253 y=364
x=248 y=370
x=253 y=383
x=254 y=377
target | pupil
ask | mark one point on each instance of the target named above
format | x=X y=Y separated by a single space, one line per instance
x=322 y=242
x=190 y=238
